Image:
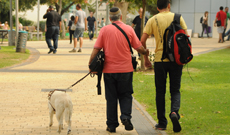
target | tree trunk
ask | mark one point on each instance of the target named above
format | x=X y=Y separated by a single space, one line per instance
x=124 y=7
x=142 y=28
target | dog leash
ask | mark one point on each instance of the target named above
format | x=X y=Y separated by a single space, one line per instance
x=91 y=74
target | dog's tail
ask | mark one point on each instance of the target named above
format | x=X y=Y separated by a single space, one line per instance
x=68 y=111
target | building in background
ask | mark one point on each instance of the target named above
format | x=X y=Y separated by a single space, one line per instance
x=193 y=10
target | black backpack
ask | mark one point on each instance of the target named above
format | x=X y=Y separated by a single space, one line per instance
x=176 y=47
x=201 y=19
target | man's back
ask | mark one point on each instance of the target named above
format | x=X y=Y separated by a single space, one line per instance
x=53 y=18
x=81 y=19
x=116 y=48
x=156 y=26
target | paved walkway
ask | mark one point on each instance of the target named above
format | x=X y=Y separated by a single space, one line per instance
x=24 y=108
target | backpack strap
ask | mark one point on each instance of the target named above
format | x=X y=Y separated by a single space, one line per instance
x=99 y=74
x=177 y=18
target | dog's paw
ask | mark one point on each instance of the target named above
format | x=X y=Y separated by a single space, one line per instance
x=59 y=131
x=51 y=124
x=69 y=131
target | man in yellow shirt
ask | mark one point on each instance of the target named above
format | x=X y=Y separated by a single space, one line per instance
x=156 y=26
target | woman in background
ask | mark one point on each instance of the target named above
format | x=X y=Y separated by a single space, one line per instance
x=205 y=24
x=71 y=32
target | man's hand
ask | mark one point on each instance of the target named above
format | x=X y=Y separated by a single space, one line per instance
x=148 y=64
x=86 y=28
x=214 y=24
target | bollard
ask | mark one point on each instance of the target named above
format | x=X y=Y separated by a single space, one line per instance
x=21 y=44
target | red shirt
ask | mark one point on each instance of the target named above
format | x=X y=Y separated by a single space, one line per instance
x=221 y=15
x=116 y=47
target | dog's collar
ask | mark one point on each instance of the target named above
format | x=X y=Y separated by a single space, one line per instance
x=51 y=92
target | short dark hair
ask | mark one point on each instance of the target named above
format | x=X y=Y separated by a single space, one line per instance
x=221 y=8
x=162 y=4
x=72 y=18
x=226 y=7
x=79 y=5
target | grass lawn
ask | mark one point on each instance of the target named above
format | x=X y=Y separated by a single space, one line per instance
x=205 y=103
x=9 y=57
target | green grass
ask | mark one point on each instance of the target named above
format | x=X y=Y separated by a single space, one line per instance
x=9 y=57
x=205 y=103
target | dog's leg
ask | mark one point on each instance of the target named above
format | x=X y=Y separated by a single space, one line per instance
x=51 y=113
x=59 y=115
x=68 y=115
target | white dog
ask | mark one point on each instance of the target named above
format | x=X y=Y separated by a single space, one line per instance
x=60 y=103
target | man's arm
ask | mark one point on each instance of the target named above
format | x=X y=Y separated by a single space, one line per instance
x=95 y=24
x=144 y=37
x=76 y=20
x=45 y=15
x=132 y=25
x=93 y=54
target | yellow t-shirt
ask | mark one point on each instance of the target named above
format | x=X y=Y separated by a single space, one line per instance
x=156 y=25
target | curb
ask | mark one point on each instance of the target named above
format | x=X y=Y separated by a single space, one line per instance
x=147 y=116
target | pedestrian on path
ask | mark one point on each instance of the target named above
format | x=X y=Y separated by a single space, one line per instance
x=205 y=24
x=53 y=24
x=221 y=16
x=71 y=32
x=226 y=25
x=81 y=26
x=118 y=69
x=91 y=25
x=156 y=26
x=137 y=23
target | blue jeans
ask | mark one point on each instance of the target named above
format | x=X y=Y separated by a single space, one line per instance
x=175 y=71
x=91 y=29
x=118 y=87
x=52 y=33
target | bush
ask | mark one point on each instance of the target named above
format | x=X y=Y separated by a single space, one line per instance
x=42 y=25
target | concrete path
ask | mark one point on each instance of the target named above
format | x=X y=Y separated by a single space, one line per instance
x=24 y=108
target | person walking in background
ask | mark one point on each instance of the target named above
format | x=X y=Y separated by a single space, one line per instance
x=91 y=25
x=71 y=32
x=221 y=16
x=53 y=24
x=81 y=26
x=137 y=23
x=228 y=18
x=102 y=22
x=118 y=69
x=205 y=24
x=157 y=26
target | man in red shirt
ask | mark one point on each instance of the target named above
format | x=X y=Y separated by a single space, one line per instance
x=118 y=69
x=221 y=16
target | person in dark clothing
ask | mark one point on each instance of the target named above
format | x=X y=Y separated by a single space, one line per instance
x=91 y=25
x=137 y=22
x=53 y=24
x=71 y=32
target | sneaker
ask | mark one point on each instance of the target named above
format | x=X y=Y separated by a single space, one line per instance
x=79 y=50
x=128 y=125
x=54 y=51
x=159 y=127
x=175 y=122
x=111 y=130
x=51 y=50
x=72 y=50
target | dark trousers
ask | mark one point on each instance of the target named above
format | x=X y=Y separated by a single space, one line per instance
x=118 y=87
x=204 y=26
x=175 y=71
x=71 y=32
x=52 y=33
x=91 y=32
x=223 y=34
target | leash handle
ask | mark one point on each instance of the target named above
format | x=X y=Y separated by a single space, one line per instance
x=79 y=81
